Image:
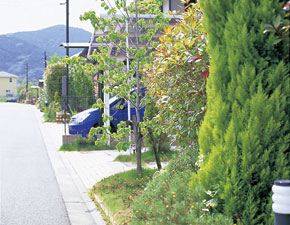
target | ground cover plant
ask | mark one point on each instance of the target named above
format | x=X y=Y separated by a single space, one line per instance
x=119 y=191
x=85 y=144
x=147 y=156
x=167 y=198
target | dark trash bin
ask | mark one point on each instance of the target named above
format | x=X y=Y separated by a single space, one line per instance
x=281 y=202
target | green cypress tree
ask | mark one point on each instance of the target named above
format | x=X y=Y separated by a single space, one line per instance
x=244 y=138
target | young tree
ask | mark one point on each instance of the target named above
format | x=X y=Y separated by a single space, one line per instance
x=244 y=138
x=155 y=139
x=129 y=37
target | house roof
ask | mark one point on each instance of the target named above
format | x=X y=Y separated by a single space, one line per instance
x=121 y=53
x=75 y=45
x=5 y=74
x=89 y=48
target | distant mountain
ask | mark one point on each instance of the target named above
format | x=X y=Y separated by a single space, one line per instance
x=18 y=48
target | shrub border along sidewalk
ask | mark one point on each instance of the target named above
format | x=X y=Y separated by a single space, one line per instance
x=128 y=191
x=85 y=144
x=147 y=156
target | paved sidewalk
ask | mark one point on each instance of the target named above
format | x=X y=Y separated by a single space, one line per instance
x=94 y=166
x=80 y=208
x=77 y=172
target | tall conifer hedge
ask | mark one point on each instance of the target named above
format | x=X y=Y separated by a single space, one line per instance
x=244 y=138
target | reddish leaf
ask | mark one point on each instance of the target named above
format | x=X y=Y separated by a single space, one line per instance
x=204 y=74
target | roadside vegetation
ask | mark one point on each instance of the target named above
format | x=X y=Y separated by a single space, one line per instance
x=119 y=191
x=33 y=93
x=85 y=144
x=148 y=156
x=81 y=89
x=244 y=137
x=168 y=199
x=3 y=99
x=218 y=85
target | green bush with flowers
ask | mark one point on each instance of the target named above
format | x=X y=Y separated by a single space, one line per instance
x=167 y=199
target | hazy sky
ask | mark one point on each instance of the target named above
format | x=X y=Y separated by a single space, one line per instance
x=29 y=15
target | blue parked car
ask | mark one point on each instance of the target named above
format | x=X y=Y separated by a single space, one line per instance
x=82 y=122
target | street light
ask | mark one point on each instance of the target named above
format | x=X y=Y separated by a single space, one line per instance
x=67 y=24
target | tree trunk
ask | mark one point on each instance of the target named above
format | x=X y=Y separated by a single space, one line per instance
x=137 y=140
x=136 y=119
x=154 y=148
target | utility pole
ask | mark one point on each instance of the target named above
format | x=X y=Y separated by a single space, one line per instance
x=67 y=69
x=45 y=58
x=67 y=41
x=26 y=78
x=67 y=26
x=67 y=55
x=67 y=37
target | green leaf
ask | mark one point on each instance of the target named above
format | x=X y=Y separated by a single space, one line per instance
x=277 y=21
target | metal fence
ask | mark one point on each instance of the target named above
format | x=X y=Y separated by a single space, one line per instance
x=78 y=103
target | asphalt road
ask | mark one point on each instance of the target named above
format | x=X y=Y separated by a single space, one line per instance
x=29 y=194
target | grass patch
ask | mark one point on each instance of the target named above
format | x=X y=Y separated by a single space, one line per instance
x=3 y=99
x=77 y=147
x=119 y=191
x=147 y=157
x=85 y=144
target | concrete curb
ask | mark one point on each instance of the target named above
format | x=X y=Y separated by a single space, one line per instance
x=80 y=208
x=105 y=210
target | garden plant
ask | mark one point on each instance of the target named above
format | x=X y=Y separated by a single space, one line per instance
x=244 y=138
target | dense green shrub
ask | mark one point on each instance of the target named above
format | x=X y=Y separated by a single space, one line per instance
x=53 y=79
x=21 y=91
x=81 y=85
x=84 y=141
x=167 y=199
x=244 y=138
x=52 y=109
